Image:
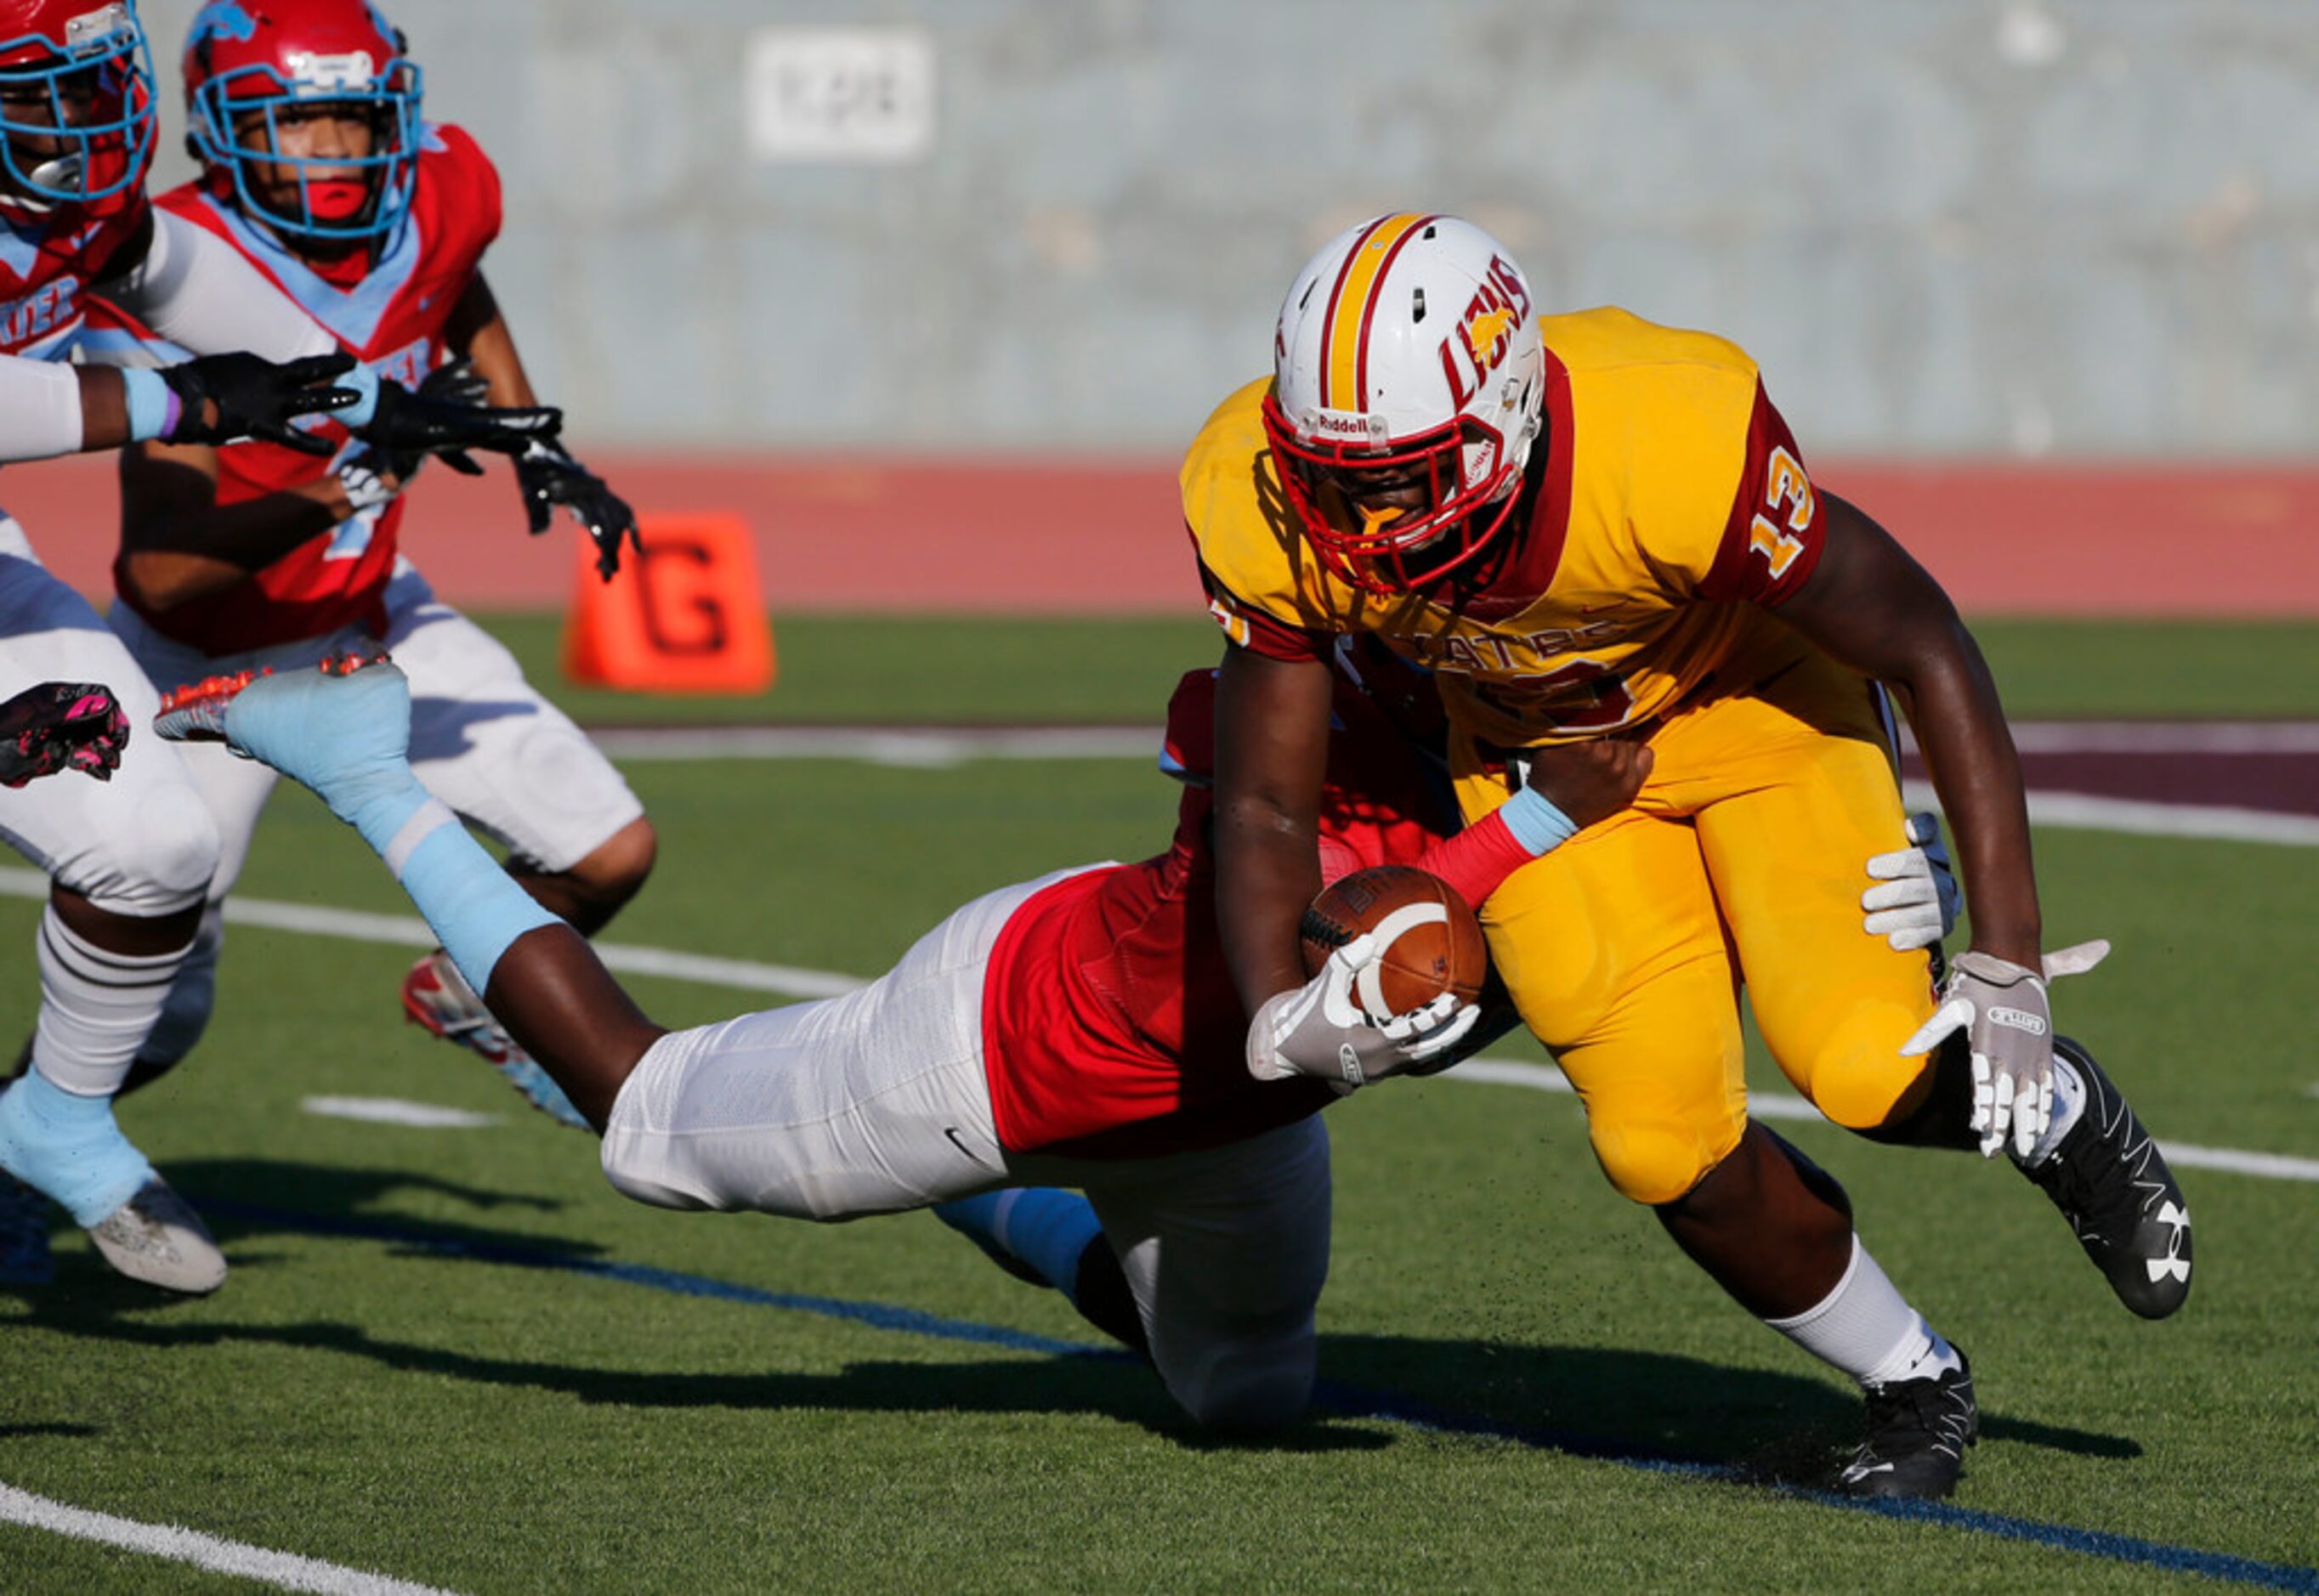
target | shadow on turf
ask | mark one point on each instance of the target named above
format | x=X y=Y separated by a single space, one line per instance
x=1588 y=1401
x=1618 y=1402
x=1585 y=1401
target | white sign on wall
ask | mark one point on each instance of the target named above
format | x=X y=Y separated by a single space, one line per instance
x=840 y=95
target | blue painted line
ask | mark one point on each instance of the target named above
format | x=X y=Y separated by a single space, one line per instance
x=1351 y=1402
x=876 y=1316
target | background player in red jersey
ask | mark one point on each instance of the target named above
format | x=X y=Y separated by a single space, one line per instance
x=128 y=860
x=318 y=171
x=1080 y=1030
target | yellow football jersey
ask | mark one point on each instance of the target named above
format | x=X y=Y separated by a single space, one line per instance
x=1674 y=507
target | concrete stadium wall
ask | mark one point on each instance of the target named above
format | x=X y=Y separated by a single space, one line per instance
x=2013 y=228
x=2037 y=281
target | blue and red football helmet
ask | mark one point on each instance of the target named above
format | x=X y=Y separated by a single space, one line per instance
x=76 y=102
x=246 y=61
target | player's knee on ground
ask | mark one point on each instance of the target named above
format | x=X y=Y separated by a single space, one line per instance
x=1858 y=1077
x=159 y=865
x=1244 y=1384
x=1656 y=1162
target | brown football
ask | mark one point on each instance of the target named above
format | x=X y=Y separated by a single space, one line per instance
x=1432 y=943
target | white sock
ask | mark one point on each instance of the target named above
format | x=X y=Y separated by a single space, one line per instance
x=1865 y=1328
x=2069 y=1103
x=97 y=1007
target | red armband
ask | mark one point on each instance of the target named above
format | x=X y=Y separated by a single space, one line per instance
x=1477 y=860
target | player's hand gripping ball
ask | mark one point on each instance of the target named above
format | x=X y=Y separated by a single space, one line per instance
x=1428 y=941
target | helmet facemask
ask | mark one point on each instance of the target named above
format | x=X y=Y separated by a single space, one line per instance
x=1409 y=386
x=77 y=113
x=328 y=157
x=1399 y=514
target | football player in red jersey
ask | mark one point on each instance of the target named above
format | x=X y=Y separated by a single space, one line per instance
x=128 y=860
x=1080 y=1030
x=318 y=171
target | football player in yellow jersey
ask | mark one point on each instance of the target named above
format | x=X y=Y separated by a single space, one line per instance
x=1590 y=527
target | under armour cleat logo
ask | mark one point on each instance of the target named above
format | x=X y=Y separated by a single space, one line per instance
x=2173 y=1264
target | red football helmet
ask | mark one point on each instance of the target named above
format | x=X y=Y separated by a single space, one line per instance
x=249 y=63
x=76 y=113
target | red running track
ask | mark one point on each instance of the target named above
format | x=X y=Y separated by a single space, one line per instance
x=1028 y=536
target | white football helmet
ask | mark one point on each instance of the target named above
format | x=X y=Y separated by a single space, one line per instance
x=1407 y=357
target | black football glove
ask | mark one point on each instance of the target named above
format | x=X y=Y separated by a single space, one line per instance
x=225 y=397
x=457 y=382
x=61 y=726
x=404 y=423
x=549 y=477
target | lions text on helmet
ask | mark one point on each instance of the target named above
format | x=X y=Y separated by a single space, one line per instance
x=1408 y=389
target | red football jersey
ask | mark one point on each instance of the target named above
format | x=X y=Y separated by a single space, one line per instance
x=1111 y=1025
x=391 y=319
x=48 y=261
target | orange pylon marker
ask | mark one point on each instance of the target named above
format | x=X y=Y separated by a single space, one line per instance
x=682 y=616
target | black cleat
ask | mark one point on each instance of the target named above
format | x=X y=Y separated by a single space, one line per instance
x=1918 y=1432
x=2111 y=1183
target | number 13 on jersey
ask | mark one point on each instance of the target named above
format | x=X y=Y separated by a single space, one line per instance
x=1785 y=488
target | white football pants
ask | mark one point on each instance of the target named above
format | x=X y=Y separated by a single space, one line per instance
x=878 y=1101
x=141 y=845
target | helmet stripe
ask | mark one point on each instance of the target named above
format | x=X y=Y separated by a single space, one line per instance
x=1368 y=313
x=1346 y=329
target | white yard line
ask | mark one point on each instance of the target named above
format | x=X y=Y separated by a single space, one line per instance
x=285 y=1570
x=1783 y=1106
x=789 y=981
x=2212 y=823
x=408 y=931
x=948 y=746
x=906 y=746
x=399 y=1111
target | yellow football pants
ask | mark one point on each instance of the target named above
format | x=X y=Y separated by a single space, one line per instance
x=1743 y=858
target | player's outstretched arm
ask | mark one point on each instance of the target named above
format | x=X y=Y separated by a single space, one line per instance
x=1873 y=606
x=343 y=731
x=1568 y=789
x=48 y=409
x=546 y=473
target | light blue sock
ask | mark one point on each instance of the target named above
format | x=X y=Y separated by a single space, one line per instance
x=475 y=907
x=1045 y=1229
x=347 y=736
x=69 y=1146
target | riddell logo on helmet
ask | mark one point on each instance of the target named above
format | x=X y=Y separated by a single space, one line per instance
x=1356 y=425
x=1485 y=333
x=353 y=70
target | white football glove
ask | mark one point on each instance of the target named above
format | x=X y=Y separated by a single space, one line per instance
x=367 y=478
x=2003 y=1009
x=1916 y=905
x=1322 y=1030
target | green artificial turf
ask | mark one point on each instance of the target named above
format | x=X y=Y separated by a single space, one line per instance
x=485 y=1424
